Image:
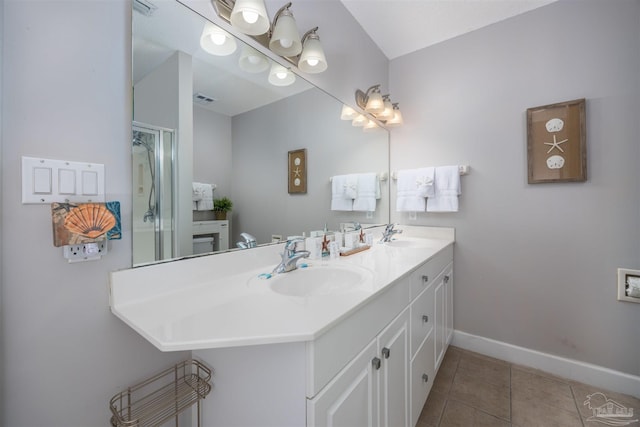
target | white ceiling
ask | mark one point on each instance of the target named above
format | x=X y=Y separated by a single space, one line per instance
x=400 y=27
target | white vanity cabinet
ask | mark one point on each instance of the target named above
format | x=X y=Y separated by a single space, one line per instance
x=373 y=389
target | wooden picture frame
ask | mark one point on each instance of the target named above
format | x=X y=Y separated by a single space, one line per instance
x=556 y=143
x=297 y=171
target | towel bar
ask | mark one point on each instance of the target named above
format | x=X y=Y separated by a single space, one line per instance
x=462 y=169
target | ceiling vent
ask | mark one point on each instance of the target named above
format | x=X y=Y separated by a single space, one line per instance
x=201 y=99
x=144 y=7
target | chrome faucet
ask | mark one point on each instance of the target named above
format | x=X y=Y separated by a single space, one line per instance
x=290 y=257
x=355 y=226
x=388 y=233
x=249 y=241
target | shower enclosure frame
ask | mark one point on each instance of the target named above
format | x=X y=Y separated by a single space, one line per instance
x=165 y=247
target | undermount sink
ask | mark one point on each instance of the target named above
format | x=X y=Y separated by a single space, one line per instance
x=318 y=280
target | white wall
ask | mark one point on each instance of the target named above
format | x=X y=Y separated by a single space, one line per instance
x=66 y=95
x=535 y=264
x=212 y=149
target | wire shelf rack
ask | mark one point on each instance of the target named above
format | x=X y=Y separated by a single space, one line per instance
x=162 y=397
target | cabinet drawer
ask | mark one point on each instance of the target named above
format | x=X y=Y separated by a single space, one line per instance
x=422 y=376
x=422 y=318
x=425 y=275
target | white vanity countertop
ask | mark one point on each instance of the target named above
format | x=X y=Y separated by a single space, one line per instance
x=215 y=301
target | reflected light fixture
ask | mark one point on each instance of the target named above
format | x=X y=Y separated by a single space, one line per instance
x=252 y=61
x=280 y=76
x=387 y=113
x=370 y=126
x=250 y=17
x=285 y=39
x=348 y=113
x=216 y=41
x=312 y=59
x=396 y=120
x=359 y=121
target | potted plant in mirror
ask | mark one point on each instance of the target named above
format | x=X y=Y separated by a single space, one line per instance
x=221 y=206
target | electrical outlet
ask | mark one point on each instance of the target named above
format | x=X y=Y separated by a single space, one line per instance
x=85 y=251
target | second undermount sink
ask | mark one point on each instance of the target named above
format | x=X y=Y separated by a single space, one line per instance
x=408 y=243
x=319 y=280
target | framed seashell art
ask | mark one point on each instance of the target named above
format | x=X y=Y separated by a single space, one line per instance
x=297 y=171
x=556 y=143
x=75 y=223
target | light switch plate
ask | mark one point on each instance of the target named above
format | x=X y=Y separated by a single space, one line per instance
x=46 y=181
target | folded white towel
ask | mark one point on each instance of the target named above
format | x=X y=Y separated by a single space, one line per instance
x=203 y=196
x=447 y=190
x=351 y=186
x=339 y=199
x=424 y=181
x=368 y=192
x=408 y=198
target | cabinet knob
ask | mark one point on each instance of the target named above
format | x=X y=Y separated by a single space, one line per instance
x=425 y=378
x=446 y=279
x=376 y=363
x=425 y=278
x=386 y=352
x=425 y=318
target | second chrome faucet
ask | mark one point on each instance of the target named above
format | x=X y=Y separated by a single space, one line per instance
x=290 y=257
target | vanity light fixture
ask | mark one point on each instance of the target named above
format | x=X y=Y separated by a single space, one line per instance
x=281 y=37
x=252 y=61
x=250 y=17
x=216 y=41
x=359 y=121
x=280 y=76
x=370 y=126
x=378 y=106
x=396 y=120
x=285 y=39
x=312 y=59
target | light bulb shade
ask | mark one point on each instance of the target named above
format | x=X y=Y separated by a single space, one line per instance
x=347 y=113
x=387 y=113
x=285 y=40
x=280 y=76
x=396 y=120
x=312 y=59
x=375 y=104
x=252 y=61
x=370 y=126
x=250 y=17
x=359 y=121
x=216 y=41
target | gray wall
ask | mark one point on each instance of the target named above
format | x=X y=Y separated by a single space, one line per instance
x=535 y=264
x=66 y=94
x=212 y=149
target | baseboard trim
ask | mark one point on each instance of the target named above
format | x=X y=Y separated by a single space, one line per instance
x=575 y=370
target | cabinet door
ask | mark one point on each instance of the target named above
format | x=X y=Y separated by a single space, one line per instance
x=440 y=297
x=448 y=283
x=421 y=376
x=394 y=374
x=351 y=398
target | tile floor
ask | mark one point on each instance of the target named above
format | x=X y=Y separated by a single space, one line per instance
x=472 y=390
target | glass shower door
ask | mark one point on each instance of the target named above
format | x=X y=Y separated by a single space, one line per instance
x=153 y=193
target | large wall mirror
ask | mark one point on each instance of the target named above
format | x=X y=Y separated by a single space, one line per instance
x=217 y=119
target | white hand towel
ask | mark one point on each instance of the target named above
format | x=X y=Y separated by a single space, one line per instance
x=351 y=186
x=447 y=190
x=408 y=199
x=368 y=192
x=339 y=201
x=424 y=181
x=206 y=204
x=196 y=194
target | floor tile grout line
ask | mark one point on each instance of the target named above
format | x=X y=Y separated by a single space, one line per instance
x=575 y=402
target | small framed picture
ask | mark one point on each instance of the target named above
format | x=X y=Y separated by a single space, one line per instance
x=298 y=171
x=556 y=143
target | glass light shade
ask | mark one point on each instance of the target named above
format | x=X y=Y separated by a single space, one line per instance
x=216 y=41
x=396 y=120
x=280 y=76
x=359 y=121
x=312 y=59
x=375 y=104
x=370 y=126
x=250 y=17
x=347 y=113
x=387 y=113
x=285 y=39
x=252 y=61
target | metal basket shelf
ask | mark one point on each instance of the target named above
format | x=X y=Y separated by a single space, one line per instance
x=162 y=397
